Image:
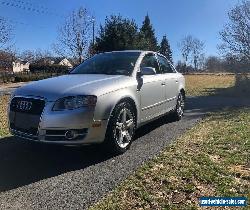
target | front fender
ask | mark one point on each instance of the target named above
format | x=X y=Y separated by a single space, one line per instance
x=107 y=102
x=181 y=83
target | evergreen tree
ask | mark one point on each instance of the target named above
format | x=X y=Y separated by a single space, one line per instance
x=165 y=49
x=147 y=39
x=117 y=34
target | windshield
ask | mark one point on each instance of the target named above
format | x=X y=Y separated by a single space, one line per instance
x=115 y=63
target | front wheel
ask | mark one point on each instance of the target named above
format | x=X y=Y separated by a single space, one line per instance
x=121 y=128
x=179 y=109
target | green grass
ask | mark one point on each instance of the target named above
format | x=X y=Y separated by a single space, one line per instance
x=211 y=159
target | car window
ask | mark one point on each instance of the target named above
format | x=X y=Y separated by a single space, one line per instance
x=165 y=65
x=115 y=63
x=149 y=60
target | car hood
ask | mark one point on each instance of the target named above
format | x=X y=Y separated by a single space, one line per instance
x=67 y=85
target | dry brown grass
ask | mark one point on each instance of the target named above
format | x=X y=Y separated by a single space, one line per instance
x=3 y=115
x=230 y=85
x=198 y=85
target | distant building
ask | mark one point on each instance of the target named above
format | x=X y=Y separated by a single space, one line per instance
x=20 y=66
x=63 y=62
x=55 y=61
x=14 y=66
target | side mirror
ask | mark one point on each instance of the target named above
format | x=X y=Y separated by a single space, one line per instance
x=148 y=71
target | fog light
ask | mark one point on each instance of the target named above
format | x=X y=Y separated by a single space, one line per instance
x=70 y=134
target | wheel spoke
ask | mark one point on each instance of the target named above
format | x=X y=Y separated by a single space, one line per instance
x=127 y=136
x=182 y=104
x=119 y=125
x=129 y=123
x=120 y=138
x=124 y=115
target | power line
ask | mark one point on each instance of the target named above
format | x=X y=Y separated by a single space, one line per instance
x=30 y=4
x=30 y=7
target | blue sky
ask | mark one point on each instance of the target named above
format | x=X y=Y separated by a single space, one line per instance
x=176 y=18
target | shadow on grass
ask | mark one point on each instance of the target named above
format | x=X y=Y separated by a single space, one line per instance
x=240 y=89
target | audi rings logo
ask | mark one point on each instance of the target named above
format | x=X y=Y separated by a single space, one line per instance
x=24 y=105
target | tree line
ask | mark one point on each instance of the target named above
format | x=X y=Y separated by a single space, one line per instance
x=75 y=40
x=117 y=33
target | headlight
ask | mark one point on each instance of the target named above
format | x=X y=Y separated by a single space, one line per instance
x=74 y=102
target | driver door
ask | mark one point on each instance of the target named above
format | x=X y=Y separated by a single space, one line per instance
x=171 y=82
x=152 y=91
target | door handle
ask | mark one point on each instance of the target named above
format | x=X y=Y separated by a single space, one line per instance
x=176 y=81
x=163 y=83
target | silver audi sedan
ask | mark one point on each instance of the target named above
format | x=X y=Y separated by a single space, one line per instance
x=103 y=100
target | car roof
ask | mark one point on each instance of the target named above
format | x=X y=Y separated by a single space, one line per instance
x=139 y=51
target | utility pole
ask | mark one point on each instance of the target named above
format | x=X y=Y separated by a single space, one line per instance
x=93 y=38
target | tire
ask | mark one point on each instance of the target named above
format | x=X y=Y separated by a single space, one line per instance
x=121 y=128
x=179 y=109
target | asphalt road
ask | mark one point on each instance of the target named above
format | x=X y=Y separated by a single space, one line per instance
x=37 y=176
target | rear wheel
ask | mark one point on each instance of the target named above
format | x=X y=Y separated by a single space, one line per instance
x=179 y=109
x=121 y=128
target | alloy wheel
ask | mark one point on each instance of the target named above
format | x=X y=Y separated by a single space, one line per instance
x=124 y=128
x=180 y=105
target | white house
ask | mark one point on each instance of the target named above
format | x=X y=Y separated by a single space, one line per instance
x=60 y=61
x=20 y=66
x=65 y=62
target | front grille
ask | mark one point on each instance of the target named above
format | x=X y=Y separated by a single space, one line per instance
x=25 y=114
x=31 y=130
x=27 y=105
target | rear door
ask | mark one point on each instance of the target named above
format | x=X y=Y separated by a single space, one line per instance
x=171 y=81
x=153 y=90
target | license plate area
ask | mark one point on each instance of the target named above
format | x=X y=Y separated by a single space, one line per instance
x=23 y=122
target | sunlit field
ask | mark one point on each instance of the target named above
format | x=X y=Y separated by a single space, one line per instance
x=218 y=84
x=198 y=85
x=3 y=115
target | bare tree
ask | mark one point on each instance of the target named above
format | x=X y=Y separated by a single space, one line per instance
x=28 y=55
x=6 y=59
x=201 y=62
x=192 y=50
x=236 y=34
x=74 y=35
x=197 y=51
x=34 y=56
x=186 y=47
x=5 y=33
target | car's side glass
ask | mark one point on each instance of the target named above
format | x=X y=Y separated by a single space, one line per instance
x=149 y=60
x=165 y=65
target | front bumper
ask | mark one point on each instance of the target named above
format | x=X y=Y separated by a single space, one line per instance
x=53 y=125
